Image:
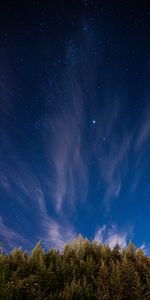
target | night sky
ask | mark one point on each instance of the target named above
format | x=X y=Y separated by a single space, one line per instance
x=74 y=122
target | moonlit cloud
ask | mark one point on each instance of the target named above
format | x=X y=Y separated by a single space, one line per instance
x=144 y=132
x=112 y=152
x=141 y=152
x=57 y=235
x=115 y=239
x=18 y=176
x=74 y=144
x=23 y=186
x=52 y=233
x=65 y=151
x=111 y=236
x=145 y=247
x=10 y=236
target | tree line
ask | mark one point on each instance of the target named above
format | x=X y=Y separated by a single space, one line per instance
x=83 y=270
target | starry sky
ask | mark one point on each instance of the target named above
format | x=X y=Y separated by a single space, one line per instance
x=74 y=122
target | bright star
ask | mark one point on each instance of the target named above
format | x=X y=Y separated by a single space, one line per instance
x=93 y=121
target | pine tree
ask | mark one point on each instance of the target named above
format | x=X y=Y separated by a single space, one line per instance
x=103 y=282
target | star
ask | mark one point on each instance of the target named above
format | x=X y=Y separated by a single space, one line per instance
x=93 y=121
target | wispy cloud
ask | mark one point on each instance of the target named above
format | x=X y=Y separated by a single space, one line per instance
x=56 y=235
x=10 y=236
x=52 y=232
x=112 y=151
x=145 y=248
x=69 y=149
x=20 y=183
x=141 y=152
x=69 y=180
x=144 y=132
x=111 y=236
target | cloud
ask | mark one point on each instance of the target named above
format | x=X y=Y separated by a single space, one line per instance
x=111 y=236
x=52 y=233
x=20 y=183
x=66 y=164
x=145 y=248
x=99 y=235
x=5 y=183
x=65 y=152
x=141 y=153
x=69 y=151
x=112 y=151
x=10 y=236
x=56 y=235
x=144 y=132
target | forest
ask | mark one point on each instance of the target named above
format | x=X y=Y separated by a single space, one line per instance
x=82 y=270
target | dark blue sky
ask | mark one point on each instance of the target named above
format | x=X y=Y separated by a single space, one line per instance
x=74 y=122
